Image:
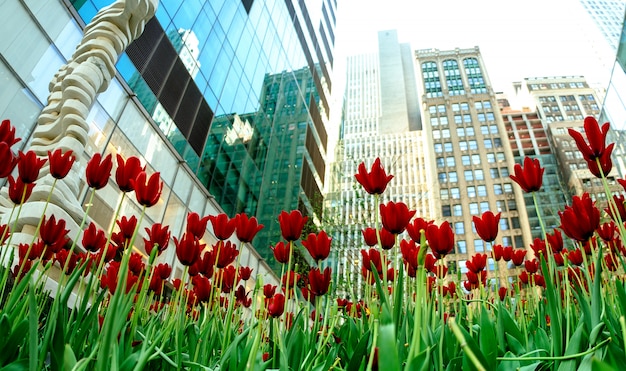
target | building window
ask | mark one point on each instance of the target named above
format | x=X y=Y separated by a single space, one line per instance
x=457 y=210
x=452 y=176
x=461 y=248
x=476 y=159
x=479 y=245
x=455 y=193
x=471 y=191
x=459 y=228
x=473 y=208
x=482 y=191
x=479 y=174
x=446 y=210
x=444 y=194
x=465 y=160
x=469 y=175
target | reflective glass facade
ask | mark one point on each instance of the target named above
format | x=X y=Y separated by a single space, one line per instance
x=227 y=82
x=213 y=95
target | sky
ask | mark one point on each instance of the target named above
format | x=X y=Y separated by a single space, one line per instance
x=517 y=39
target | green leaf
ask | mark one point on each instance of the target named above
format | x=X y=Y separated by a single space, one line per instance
x=387 y=342
x=505 y=365
x=598 y=365
x=360 y=352
x=33 y=324
x=477 y=352
x=14 y=341
x=514 y=345
x=69 y=359
x=487 y=339
x=20 y=365
x=511 y=331
x=573 y=347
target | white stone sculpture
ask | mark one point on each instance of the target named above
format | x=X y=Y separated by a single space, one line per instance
x=62 y=123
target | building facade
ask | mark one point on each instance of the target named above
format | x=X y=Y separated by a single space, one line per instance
x=470 y=154
x=199 y=74
x=381 y=119
x=563 y=103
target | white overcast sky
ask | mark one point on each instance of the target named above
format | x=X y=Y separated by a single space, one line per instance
x=517 y=39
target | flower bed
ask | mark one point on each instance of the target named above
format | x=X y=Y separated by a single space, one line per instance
x=116 y=308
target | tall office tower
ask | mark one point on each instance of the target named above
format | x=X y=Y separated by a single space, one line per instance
x=608 y=15
x=614 y=105
x=381 y=119
x=529 y=138
x=470 y=153
x=201 y=76
x=563 y=103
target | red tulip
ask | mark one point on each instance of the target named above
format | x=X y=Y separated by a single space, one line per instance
x=440 y=239
x=60 y=163
x=372 y=256
x=477 y=263
x=202 y=288
x=196 y=225
x=604 y=161
x=246 y=228
x=245 y=273
x=518 y=257
x=223 y=227
x=206 y=263
x=410 y=251
x=502 y=291
x=28 y=252
x=147 y=194
x=242 y=297
x=5 y=232
x=135 y=263
x=188 y=249
x=487 y=226
x=319 y=282
x=158 y=237
x=7 y=160
x=289 y=279
x=370 y=237
x=127 y=227
x=530 y=176
x=269 y=290
x=53 y=233
x=291 y=224
x=497 y=251
x=539 y=247
x=276 y=305
x=62 y=256
x=620 y=204
x=415 y=227
x=580 y=220
x=607 y=231
x=395 y=216
x=226 y=253
x=98 y=171
x=29 y=165
x=19 y=191
x=7 y=133
x=555 y=240
x=532 y=266
x=596 y=137
x=126 y=172
x=281 y=252
x=575 y=257
x=559 y=260
x=374 y=182
x=94 y=239
x=318 y=245
x=507 y=253
x=163 y=271
x=229 y=275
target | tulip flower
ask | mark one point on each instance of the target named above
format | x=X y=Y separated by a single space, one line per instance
x=580 y=220
x=281 y=252
x=158 y=237
x=291 y=224
x=539 y=247
x=319 y=282
x=223 y=227
x=532 y=266
x=440 y=239
x=487 y=226
x=28 y=166
x=226 y=253
x=196 y=225
x=477 y=263
x=98 y=171
x=518 y=257
x=555 y=240
x=529 y=177
x=202 y=288
x=410 y=251
x=596 y=137
x=188 y=249
x=246 y=228
x=372 y=256
x=53 y=233
x=7 y=133
x=60 y=163
x=7 y=160
x=135 y=263
x=374 y=182
x=607 y=231
x=245 y=273
x=507 y=253
x=370 y=237
x=241 y=297
x=276 y=305
x=147 y=194
x=127 y=226
x=269 y=290
x=502 y=291
x=415 y=227
x=126 y=172
x=575 y=257
x=94 y=239
x=604 y=162
x=395 y=216
x=318 y=245
x=289 y=280
x=62 y=257
x=5 y=232
x=497 y=252
x=206 y=263
x=19 y=191
x=28 y=252
x=620 y=203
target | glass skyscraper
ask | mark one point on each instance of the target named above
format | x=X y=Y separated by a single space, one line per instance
x=226 y=99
